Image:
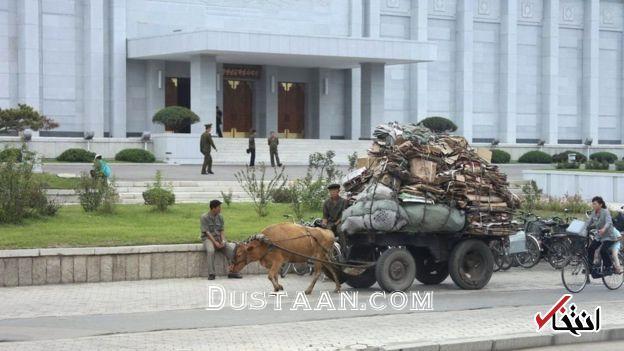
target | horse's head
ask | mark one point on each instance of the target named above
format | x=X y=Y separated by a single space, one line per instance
x=248 y=251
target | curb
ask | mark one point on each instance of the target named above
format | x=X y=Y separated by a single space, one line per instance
x=510 y=341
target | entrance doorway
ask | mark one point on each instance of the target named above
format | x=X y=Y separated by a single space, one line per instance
x=291 y=109
x=178 y=93
x=237 y=107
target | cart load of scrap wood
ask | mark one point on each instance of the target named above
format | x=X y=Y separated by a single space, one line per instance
x=420 y=182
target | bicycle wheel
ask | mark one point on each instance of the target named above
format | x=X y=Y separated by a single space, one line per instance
x=532 y=256
x=301 y=268
x=614 y=281
x=285 y=269
x=575 y=273
x=558 y=253
x=497 y=254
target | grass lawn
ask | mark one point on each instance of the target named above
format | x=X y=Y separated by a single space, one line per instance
x=134 y=225
x=52 y=181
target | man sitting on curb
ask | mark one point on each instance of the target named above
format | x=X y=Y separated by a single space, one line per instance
x=213 y=237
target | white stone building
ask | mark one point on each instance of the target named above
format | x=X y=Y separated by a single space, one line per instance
x=515 y=70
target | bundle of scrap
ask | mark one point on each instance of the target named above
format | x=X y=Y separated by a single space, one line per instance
x=424 y=167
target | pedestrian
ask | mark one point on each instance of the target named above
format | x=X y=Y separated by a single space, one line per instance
x=205 y=146
x=101 y=169
x=332 y=211
x=213 y=237
x=251 y=148
x=273 y=142
x=219 y=122
x=606 y=237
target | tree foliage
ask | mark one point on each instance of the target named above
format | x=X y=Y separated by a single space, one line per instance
x=23 y=116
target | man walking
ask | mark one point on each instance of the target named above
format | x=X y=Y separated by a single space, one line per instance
x=219 y=122
x=205 y=146
x=273 y=142
x=213 y=238
x=251 y=149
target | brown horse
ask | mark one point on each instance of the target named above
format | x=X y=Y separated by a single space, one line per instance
x=288 y=242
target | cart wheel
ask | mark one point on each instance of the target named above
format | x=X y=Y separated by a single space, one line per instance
x=362 y=281
x=471 y=264
x=430 y=272
x=395 y=270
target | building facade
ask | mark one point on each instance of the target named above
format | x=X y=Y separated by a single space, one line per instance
x=519 y=71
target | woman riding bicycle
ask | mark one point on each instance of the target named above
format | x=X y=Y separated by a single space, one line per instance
x=605 y=239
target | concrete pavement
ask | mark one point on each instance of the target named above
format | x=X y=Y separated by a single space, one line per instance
x=171 y=315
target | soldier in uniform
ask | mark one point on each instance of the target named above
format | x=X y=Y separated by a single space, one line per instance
x=219 y=122
x=213 y=237
x=205 y=146
x=273 y=142
x=251 y=149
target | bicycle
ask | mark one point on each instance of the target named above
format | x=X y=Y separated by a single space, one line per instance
x=299 y=268
x=575 y=274
x=533 y=253
x=552 y=240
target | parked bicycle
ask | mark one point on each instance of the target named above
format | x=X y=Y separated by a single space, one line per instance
x=552 y=241
x=575 y=273
x=532 y=255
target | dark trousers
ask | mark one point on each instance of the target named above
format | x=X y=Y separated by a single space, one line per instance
x=219 y=133
x=207 y=163
x=252 y=157
x=605 y=252
x=274 y=157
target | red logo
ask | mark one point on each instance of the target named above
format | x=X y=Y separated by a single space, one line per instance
x=569 y=318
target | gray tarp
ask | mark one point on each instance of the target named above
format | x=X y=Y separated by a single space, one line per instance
x=427 y=218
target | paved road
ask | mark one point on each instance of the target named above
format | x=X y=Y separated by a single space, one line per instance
x=125 y=171
x=602 y=346
x=171 y=314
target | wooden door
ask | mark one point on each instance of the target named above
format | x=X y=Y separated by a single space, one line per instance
x=237 y=105
x=291 y=107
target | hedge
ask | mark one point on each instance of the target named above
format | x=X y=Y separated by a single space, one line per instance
x=535 y=157
x=594 y=164
x=76 y=155
x=568 y=165
x=439 y=124
x=500 y=156
x=619 y=166
x=175 y=117
x=603 y=156
x=11 y=153
x=563 y=157
x=135 y=155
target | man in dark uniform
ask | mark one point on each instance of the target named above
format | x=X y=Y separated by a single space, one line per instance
x=251 y=149
x=205 y=146
x=332 y=211
x=219 y=122
x=273 y=142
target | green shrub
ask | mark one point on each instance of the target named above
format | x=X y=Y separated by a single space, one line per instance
x=531 y=196
x=227 y=197
x=352 y=160
x=96 y=194
x=568 y=165
x=603 y=156
x=11 y=153
x=535 y=157
x=500 y=156
x=594 y=164
x=175 y=117
x=157 y=196
x=563 y=156
x=76 y=155
x=439 y=124
x=252 y=180
x=573 y=203
x=619 y=165
x=135 y=155
x=22 y=195
x=282 y=196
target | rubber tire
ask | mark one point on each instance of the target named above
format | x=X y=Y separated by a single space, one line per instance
x=535 y=249
x=424 y=271
x=362 y=281
x=402 y=262
x=457 y=260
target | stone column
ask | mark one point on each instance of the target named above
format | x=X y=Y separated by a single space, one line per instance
x=464 y=80
x=508 y=71
x=268 y=105
x=94 y=68
x=372 y=18
x=418 y=71
x=372 y=101
x=118 y=69
x=353 y=98
x=154 y=93
x=591 y=70
x=550 y=72
x=204 y=91
x=28 y=53
x=323 y=93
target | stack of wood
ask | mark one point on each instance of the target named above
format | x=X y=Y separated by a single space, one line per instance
x=422 y=166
